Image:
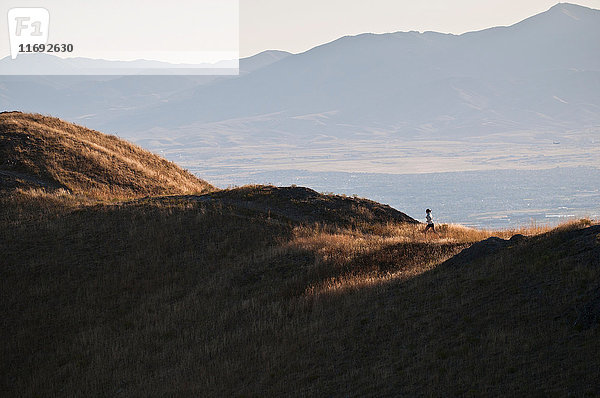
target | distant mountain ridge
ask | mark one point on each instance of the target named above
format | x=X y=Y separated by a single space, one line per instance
x=37 y=63
x=82 y=96
x=540 y=75
x=48 y=64
x=402 y=80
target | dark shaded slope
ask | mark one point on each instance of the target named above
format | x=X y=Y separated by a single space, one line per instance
x=582 y=246
x=298 y=204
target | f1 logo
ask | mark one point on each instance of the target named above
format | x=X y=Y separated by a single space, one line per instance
x=27 y=26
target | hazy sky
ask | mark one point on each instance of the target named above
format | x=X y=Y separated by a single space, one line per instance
x=298 y=25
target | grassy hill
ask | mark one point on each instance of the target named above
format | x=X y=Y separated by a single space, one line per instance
x=43 y=151
x=266 y=291
x=299 y=204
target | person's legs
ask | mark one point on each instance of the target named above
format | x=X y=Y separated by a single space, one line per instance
x=432 y=227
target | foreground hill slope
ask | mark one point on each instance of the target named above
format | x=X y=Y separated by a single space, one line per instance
x=187 y=297
x=43 y=151
x=266 y=291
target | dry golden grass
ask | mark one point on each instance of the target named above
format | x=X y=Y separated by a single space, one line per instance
x=369 y=243
x=46 y=151
x=188 y=298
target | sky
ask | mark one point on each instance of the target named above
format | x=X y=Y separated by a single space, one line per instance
x=299 y=25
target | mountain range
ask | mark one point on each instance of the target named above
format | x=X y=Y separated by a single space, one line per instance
x=540 y=76
x=543 y=71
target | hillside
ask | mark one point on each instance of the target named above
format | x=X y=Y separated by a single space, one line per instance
x=42 y=151
x=201 y=298
x=299 y=205
x=267 y=291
